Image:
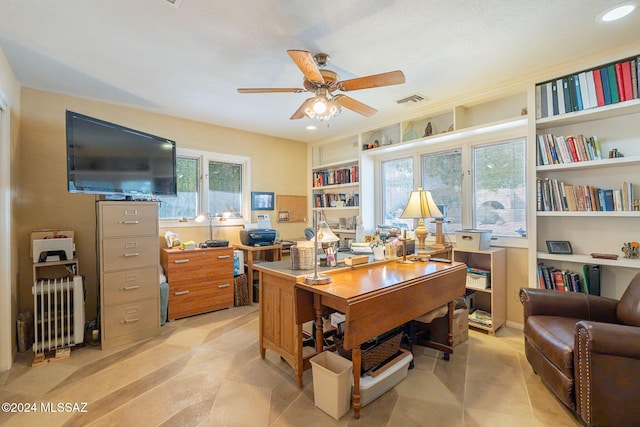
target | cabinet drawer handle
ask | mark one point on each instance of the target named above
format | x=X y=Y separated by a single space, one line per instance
x=181 y=261
x=224 y=256
x=131 y=254
x=129 y=288
x=181 y=293
x=226 y=285
x=131 y=222
x=125 y=321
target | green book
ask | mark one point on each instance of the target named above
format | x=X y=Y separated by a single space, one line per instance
x=613 y=84
x=585 y=274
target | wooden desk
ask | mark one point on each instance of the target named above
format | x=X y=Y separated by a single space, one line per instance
x=256 y=253
x=378 y=299
x=400 y=292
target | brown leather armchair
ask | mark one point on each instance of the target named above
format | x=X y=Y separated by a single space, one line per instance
x=586 y=349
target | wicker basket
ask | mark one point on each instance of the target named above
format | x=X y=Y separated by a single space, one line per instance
x=301 y=258
x=373 y=356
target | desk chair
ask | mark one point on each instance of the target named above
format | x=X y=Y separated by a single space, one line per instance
x=432 y=330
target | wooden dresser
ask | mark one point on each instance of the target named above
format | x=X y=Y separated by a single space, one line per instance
x=200 y=280
x=128 y=247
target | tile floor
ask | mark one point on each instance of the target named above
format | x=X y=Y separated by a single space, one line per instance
x=206 y=371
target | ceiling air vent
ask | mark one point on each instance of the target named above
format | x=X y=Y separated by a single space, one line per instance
x=175 y=3
x=415 y=98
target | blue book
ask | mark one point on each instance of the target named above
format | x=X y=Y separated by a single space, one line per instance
x=606 y=91
x=576 y=83
x=608 y=200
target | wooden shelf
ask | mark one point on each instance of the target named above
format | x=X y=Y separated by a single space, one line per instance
x=588 y=259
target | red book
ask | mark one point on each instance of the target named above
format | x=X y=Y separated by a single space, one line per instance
x=626 y=78
x=572 y=148
x=621 y=94
x=599 y=92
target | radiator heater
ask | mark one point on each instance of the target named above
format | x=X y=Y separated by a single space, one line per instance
x=58 y=306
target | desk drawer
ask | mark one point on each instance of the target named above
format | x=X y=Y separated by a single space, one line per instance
x=198 y=266
x=192 y=299
x=130 y=252
x=130 y=220
x=132 y=285
x=129 y=318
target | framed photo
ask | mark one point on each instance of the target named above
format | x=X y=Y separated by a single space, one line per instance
x=283 y=216
x=561 y=247
x=261 y=201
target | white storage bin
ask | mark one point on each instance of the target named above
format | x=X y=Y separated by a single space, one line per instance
x=373 y=387
x=473 y=240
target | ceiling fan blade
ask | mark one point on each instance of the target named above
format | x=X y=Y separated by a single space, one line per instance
x=376 y=80
x=307 y=65
x=353 y=105
x=270 y=90
x=300 y=111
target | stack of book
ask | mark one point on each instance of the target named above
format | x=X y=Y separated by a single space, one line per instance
x=345 y=175
x=560 y=280
x=608 y=84
x=567 y=149
x=558 y=196
x=480 y=316
x=327 y=200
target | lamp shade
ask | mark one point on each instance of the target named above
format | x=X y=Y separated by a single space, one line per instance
x=325 y=235
x=421 y=205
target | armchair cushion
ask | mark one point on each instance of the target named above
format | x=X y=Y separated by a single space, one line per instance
x=554 y=337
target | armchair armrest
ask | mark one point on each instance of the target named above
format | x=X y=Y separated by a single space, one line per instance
x=547 y=302
x=608 y=338
x=607 y=373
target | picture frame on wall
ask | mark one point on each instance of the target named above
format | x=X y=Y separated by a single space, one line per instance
x=262 y=201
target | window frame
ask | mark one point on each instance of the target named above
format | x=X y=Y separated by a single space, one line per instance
x=465 y=141
x=204 y=157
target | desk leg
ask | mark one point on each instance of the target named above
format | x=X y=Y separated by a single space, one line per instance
x=250 y=275
x=356 y=355
x=319 y=323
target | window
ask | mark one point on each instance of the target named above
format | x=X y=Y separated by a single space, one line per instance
x=185 y=204
x=209 y=182
x=442 y=175
x=397 y=183
x=499 y=191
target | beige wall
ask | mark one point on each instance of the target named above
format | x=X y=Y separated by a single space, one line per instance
x=9 y=137
x=45 y=203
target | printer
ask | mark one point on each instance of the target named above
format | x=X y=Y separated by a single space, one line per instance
x=258 y=236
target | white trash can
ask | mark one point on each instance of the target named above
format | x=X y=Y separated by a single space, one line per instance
x=332 y=383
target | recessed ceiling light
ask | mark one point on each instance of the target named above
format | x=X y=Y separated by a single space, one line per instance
x=617 y=12
x=311 y=127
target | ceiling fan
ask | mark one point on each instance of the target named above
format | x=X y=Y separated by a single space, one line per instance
x=323 y=82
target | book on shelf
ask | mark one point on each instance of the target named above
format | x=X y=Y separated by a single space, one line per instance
x=596 y=87
x=347 y=175
x=550 y=277
x=567 y=149
x=553 y=195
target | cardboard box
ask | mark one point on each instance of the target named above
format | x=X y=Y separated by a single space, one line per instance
x=460 y=327
x=473 y=240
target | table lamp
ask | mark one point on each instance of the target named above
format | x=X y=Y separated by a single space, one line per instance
x=421 y=205
x=323 y=235
x=207 y=215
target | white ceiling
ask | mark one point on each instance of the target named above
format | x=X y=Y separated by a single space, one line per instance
x=187 y=60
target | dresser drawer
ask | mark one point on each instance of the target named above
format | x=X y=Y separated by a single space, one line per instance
x=198 y=265
x=131 y=285
x=130 y=252
x=199 y=298
x=129 y=318
x=121 y=219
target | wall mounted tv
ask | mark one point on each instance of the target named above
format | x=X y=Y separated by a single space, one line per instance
x=105 y=158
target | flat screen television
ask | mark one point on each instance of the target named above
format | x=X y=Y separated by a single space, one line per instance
x=105 y=158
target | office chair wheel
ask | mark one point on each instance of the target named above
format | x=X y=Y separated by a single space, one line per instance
x=446 y=356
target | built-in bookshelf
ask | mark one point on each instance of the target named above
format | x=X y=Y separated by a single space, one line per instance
x=587 y=168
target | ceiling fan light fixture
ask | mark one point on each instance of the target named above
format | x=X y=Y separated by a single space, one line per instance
x=320 y=105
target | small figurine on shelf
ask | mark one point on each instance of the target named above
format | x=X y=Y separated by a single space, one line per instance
x=636 y=205
x=428 y=131
x=630 y=250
